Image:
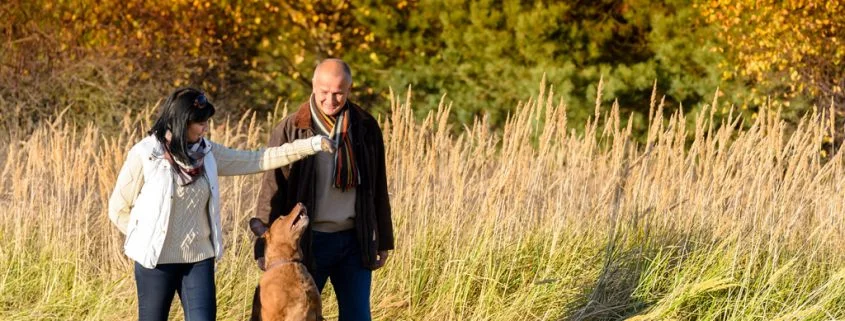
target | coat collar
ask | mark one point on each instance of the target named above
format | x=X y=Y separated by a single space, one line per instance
x=303 y=117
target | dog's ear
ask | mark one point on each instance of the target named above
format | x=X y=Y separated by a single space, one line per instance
x=257 y=226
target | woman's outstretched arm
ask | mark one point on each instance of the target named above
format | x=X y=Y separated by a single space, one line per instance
x=241 y=162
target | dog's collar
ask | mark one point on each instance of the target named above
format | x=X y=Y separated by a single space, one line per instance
x=279 y=262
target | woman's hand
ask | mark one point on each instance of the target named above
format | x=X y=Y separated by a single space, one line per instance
x=326 y=144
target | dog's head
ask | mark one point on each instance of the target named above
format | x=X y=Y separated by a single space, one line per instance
x=285 y=231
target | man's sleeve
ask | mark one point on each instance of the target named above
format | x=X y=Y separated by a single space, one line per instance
x=382 y=198
x=270 y=183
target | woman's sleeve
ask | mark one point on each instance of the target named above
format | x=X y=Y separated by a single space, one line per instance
x=241 y=162
x=126 y=189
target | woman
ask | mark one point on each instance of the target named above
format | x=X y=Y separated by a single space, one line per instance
x=166 y=202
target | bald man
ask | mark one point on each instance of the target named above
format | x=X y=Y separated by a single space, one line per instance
x=345 y=193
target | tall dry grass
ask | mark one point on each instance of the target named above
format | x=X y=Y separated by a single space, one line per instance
x=702 y=221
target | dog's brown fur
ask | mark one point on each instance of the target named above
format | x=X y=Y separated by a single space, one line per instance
x=288 y=292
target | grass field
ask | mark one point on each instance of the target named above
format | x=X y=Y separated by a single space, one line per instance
x=701 y=221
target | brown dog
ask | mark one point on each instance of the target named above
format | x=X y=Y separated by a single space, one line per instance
x=287 y=292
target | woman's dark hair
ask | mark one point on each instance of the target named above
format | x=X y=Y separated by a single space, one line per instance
x=183 y=106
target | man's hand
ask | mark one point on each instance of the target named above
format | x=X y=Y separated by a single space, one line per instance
x=382 y=258
x=260 y=263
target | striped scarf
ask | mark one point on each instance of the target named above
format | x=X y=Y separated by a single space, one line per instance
x=345 y=172
x=186 y=174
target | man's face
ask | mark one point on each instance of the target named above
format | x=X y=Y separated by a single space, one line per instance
x=330 y=92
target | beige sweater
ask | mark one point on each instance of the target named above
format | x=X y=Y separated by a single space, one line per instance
x=188 y=237
x=335 y=209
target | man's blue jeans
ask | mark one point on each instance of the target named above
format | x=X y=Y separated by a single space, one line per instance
x=337 y=257
x=193 y=281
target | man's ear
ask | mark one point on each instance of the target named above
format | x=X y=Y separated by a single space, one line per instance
x=257 y=226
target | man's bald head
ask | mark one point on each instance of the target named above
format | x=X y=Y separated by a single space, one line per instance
x=331 y=84
x=333 y=67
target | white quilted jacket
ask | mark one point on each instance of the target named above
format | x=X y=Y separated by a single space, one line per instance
x=142 y=199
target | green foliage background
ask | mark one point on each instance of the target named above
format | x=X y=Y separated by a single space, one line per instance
x=100 y=58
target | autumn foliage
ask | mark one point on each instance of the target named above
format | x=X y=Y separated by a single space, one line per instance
x=96 y=59
x=792 y=47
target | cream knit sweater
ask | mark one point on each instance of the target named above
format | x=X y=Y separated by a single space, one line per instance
x=188 y=238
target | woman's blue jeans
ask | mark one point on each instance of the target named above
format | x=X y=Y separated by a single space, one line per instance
x=193 y=281
x=337 y=258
